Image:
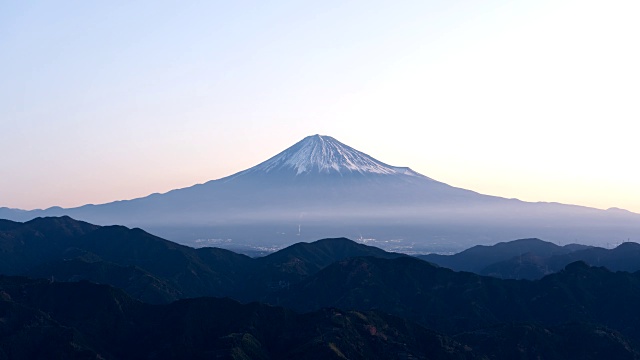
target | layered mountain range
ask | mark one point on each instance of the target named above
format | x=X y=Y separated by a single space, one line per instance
x=321 y=187
x=330 y=299
x=534 y=258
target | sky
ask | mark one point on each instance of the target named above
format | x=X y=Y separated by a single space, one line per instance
x=110 y=100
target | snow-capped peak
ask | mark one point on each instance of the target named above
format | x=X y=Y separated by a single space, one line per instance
x=324 y=154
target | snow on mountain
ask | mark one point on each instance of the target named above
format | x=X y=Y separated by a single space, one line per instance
x=329 y=190
x=326 y=155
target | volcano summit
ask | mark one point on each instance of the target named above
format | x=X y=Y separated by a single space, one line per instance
x=319 y=154
x=320 y=187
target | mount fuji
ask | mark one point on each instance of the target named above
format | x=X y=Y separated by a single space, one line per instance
x=325 y=155
x=320 y=187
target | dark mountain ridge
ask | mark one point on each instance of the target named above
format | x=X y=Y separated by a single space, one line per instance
x=624 y=257
x=359 y=302
x=458 y=302
x=157 y=270
x=477 y=258
x=533 y=258
x=43 y=319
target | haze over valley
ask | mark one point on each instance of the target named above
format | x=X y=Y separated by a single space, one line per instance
x=320 y=188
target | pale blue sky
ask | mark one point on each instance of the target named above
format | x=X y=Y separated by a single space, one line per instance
x=101 y=101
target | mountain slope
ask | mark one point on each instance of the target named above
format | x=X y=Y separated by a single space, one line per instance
x=324 y=155
x=321 y=188
x=357 y=285
x=477 y=258
x=156 y=270
x=456 y=302
x=625 y=257
x=534 y=258
x=43 y=320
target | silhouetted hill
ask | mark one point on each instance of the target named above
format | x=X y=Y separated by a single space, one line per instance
x=477 y=258
x=379 y=295
x=533 y=341
x=625 y=257
x=23 y=245
x=138 y=283
x=111 y=254
x=184 y=268
x=156 y=270
x=525 y=266
x=8 y=225
x=438 y=298
x=43 y=320
x=455 y=302
x=322 y=253
x=290 y=265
